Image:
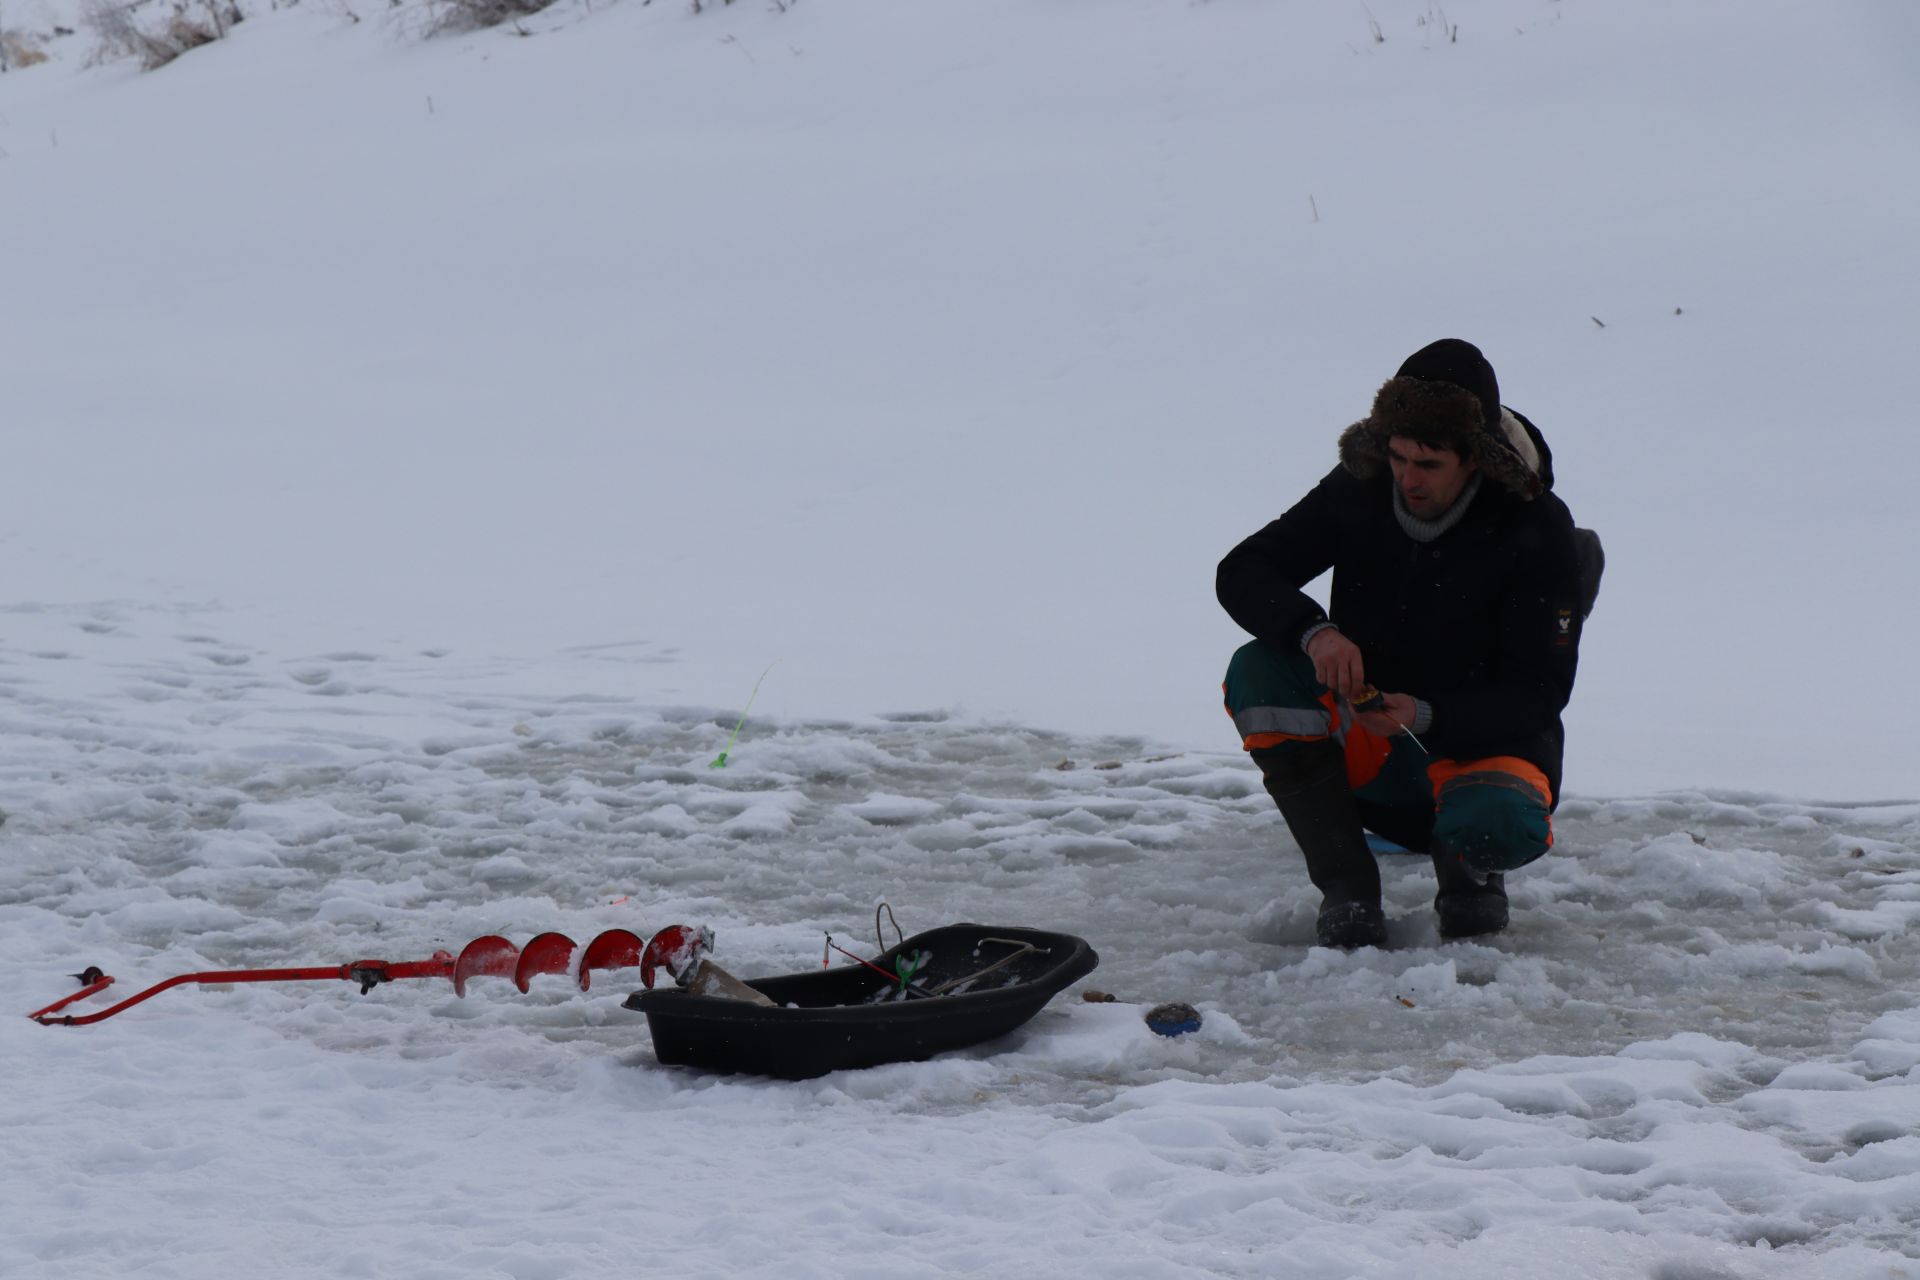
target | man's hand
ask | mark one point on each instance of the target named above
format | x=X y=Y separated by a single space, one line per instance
x=1395 y=717
x=1337 y=663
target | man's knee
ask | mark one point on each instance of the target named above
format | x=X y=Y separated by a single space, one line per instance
x=1492 y=824
x=1274 y=699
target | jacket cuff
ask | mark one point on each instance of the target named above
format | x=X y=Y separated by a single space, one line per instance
x=1307 y=636
x=1422 y=716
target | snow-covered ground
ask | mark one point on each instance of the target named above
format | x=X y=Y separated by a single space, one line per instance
x=1695 y=1054
x=421 y=447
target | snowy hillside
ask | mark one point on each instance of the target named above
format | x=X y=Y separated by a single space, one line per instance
x=421 y=445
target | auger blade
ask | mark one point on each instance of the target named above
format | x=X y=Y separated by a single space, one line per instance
x=614 y=949
x=492 y=955
x=674 y=948
x=547 y=953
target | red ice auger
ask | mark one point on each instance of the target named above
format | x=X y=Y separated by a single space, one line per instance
x=491 y=956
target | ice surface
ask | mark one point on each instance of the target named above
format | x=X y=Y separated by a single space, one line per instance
x=1686 y=1038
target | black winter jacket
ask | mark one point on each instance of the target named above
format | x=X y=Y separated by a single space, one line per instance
x=1483 y=622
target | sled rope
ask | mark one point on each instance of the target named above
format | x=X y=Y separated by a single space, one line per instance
x=879 y=938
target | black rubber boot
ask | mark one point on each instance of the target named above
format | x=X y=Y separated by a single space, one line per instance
x=1467 y=908
x=1309 y=783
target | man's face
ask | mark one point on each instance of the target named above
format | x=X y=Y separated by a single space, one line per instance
x=1429 y=480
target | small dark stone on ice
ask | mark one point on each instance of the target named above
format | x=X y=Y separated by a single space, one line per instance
x=1173 y=1019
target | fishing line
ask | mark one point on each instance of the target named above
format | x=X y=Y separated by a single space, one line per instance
x=720 y=761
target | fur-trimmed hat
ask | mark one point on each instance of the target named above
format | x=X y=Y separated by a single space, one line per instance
x=1446 y=397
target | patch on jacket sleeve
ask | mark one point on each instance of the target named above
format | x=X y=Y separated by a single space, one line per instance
x=1563 y=628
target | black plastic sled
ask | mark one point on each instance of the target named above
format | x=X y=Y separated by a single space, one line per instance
x=975 y=982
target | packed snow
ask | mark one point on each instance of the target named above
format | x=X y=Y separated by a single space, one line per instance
x=422 y=445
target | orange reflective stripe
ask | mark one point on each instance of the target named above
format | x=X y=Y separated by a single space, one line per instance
x=1270 y=726
x=1509 y=769
x=1491 y=769
x=1254 y=741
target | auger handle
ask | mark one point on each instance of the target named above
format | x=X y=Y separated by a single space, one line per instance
x=93 y=979
x=368 y=973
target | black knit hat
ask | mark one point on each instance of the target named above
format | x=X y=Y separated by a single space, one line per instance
x=1460 y=363
x=1444 y=396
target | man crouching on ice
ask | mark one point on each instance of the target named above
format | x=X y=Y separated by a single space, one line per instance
x=1458 y=592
